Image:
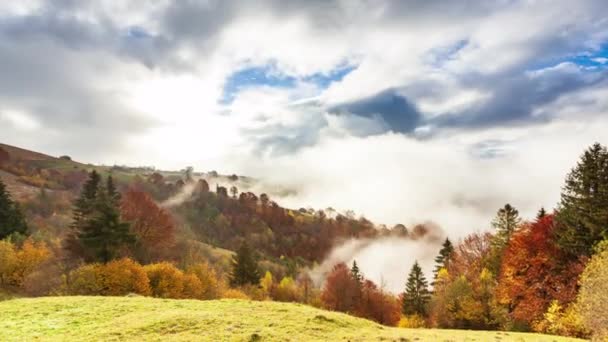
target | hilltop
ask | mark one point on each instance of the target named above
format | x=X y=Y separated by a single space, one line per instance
x=139 y=318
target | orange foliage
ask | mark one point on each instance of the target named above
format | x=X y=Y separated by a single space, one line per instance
x=166 y=280
x=534 y=272
x=116 y=278
x=339 y=290
x=152 y=225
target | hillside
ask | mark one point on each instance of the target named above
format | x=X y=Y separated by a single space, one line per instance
x=138 y=318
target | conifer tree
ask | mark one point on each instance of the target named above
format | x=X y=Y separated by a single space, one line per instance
x=506 y=221
x=104 y=233
x=356 y=273
x=582 y=214
x=11 y=218
x=416 y=294
x=541 y=213
x=98 y=234
x=443 y=259
x=244 y=267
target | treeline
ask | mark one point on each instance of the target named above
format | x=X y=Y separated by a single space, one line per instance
x=547 y=274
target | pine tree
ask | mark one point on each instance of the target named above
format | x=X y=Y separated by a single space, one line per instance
x=416 y=294
x=98 y=233
x=356 y=273
x=582 y=214
x=506 y=221
x=244 y=267
x=83 y=206
x=104 y=234
x=11 y=218
x=443 y=259
x=541 y=213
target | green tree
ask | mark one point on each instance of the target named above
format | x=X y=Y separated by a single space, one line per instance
x=541 y=213
x=98 y=234
x=582 y=213
x=443 y=259
x=84 y=205
x=417 y=295
x=506 y=221
x=12 y=220
x=244 y=267
x=105 y=234
x=356 y=273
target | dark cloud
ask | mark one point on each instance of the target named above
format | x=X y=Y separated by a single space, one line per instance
x=515 y=99
x=389 y=106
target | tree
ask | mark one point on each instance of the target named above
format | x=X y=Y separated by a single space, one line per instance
x=244 y=267
x=416 y=296
x=356 y=273
x=583 y=210
x=592 y=299
x=443 y=259
x=153 y=227
x=541 y=213
x=506 y=221
x=338 y=291
x=98 y=234
x=535 y=272
x=11 y=218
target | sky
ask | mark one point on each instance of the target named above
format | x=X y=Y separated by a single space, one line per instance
x=403 y=111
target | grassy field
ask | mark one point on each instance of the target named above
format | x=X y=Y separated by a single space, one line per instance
x=148 y=319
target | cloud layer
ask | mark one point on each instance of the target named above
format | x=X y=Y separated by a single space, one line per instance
x=404 y=111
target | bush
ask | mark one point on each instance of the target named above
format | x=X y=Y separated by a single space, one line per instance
x=166 y=280
x=18 y=263
x=86 y=280
x=116 y=278
x=234 y=294
x=557 y=321
x=210 y=285
x=193 y=287
x=411 y=322
x=124 y=276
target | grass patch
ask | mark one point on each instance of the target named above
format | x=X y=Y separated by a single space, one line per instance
x=149 y=319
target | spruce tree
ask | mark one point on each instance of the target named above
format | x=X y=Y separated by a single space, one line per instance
x=417 y=295
x=244 y=267
x=506 y=221
x=104 y=233
x=541 y=213
x=356 y=273
x=443 y=259
x=98 y=233
x=12 y=220
x=582 y=213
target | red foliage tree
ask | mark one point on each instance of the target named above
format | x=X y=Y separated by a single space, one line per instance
x=339 y=290
x=152 y=225
x=535 y=272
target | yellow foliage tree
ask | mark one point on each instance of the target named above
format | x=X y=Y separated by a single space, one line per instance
x=17 y=263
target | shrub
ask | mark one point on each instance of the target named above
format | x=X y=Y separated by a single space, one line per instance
x=193 y=287
x=234 y=294
x=17 y=263
x=124 y=276
x=210 y=284
x=412 y=322
x=86 y=280
x=116 y=278
x=166 y=280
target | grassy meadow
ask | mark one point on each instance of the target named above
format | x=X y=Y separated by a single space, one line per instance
x=149 y=319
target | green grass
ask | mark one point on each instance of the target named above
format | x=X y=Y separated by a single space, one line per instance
x=148 y=319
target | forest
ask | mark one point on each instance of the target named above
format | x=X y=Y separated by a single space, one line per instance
x=76 y=229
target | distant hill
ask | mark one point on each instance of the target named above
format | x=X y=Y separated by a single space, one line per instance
x=149 y=319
